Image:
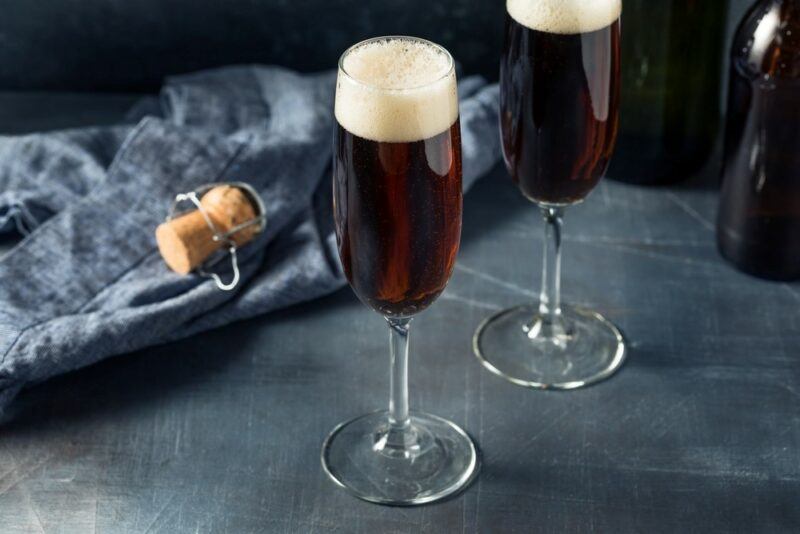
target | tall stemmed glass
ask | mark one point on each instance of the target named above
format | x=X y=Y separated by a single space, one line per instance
x=397 y=205
x=559 y=106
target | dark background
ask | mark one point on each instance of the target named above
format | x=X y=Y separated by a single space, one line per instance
x=130 y=45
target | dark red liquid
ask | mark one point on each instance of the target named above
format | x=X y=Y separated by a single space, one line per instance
x=398 y=217
x=559 y=109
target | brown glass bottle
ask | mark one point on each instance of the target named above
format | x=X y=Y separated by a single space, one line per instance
x=758 y=226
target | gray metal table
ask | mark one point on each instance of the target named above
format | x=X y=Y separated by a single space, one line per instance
x=699 y=432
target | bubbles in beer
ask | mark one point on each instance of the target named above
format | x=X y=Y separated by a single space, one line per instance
x=565 y=16
x=396 y=90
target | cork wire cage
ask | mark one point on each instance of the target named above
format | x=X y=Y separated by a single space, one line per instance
x=193 y=201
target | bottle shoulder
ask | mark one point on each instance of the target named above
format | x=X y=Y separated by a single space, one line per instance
x=767 y=42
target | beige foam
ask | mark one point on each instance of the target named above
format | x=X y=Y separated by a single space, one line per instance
x=396 y=90
x=565 y=16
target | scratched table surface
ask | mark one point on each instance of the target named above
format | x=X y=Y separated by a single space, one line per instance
x=699 y=431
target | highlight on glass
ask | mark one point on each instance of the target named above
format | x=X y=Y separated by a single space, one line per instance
x=397 y=209
x=559 y=113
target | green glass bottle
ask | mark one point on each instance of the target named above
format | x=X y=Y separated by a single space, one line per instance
x=672 y=54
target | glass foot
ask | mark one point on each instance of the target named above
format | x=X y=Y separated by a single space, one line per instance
x=516 y=345
x=429 y=460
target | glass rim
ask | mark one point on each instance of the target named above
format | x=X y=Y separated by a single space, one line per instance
x=451 y=64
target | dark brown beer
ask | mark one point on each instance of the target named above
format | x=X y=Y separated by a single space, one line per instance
x=559 y=107
x=398 y=217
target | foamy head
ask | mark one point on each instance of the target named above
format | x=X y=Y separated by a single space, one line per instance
x=565 y=16
x=396 y=89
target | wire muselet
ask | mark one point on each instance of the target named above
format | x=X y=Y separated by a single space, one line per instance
x=226 y=238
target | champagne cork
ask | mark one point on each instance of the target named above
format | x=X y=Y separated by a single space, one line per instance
x=186 y=241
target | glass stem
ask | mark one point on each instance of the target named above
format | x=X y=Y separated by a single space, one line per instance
x=399 y=439
x=398 y=397
x=549 y=323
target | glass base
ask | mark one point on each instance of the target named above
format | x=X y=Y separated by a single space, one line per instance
x=429 y=460
x=516 y=345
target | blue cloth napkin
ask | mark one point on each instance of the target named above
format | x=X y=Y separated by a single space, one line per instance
x=87 y=281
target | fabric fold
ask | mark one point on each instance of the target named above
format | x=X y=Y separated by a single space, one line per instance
x=88 y=282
